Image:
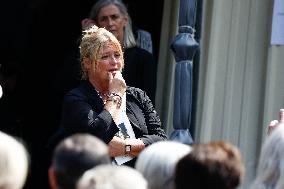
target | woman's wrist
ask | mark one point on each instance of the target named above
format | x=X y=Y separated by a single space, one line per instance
x=115 y=98
x=127 y=147
x=114 y=109
x=137 y=146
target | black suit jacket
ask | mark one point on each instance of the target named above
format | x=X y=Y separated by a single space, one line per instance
x=83 y=111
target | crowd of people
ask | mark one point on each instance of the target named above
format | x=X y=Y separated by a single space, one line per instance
x=110 y=135
x=83 y=161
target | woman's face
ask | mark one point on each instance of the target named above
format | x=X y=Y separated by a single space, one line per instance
x=111 y=19
x=108 y=62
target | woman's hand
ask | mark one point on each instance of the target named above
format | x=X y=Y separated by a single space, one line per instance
x=116 y=147
x=117 y=83
x=272 y=125
x=87 y=23
x=117 y=87
x=137 y=146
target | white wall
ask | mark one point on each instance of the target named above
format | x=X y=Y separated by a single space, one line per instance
x=241 y=76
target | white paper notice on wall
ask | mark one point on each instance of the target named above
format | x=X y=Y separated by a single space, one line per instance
x=277 y=33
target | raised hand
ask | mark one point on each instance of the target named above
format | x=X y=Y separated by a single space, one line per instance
x=87 y=23
x=116 y=83
x=272 y=125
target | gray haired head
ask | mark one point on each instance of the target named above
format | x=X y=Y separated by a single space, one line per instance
x=157 y=163
x=270 y=171
x=14 y=162
x=112 y=177
x=128 y=38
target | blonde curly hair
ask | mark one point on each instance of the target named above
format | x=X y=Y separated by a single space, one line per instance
x=92 y=41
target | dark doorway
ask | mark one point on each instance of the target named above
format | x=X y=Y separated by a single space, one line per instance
x=147 y=14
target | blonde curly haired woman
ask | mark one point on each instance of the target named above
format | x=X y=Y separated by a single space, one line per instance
x=103 y=105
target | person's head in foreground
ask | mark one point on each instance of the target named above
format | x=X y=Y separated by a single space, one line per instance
x=270 y=171
x=211 y=165
x=14 y=162
x=112 y=177
x=73 y=156
x=157 y=163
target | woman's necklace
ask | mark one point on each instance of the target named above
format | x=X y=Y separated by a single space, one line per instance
x=103 y=96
